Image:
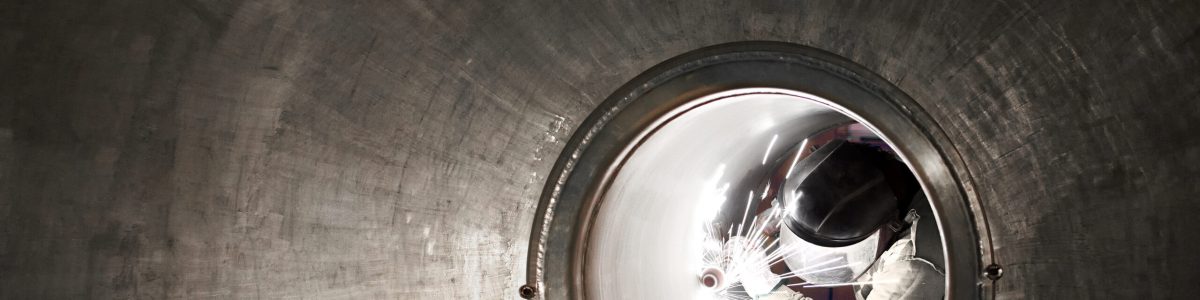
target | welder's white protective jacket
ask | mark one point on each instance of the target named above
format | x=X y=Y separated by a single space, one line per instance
x=902 y=273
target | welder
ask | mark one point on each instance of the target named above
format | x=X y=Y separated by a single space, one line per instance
x=854 y=215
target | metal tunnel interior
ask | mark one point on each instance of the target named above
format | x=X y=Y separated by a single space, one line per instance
x=400 y=149
x=689 y=167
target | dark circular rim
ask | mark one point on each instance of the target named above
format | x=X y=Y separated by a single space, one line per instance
x=600 y=145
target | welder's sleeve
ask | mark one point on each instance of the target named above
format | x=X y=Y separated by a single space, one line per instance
x=899 y=274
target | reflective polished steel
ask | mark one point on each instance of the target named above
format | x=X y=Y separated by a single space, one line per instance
x=694 y=183
x=624 y=211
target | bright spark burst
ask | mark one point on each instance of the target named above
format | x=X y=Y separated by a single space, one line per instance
x=745 y=257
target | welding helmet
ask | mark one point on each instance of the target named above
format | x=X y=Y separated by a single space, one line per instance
x=835 y=201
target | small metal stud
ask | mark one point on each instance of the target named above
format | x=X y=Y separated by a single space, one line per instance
x=993 y=272
x=527 y=291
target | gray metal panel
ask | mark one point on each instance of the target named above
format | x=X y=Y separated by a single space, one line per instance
x=228 y=149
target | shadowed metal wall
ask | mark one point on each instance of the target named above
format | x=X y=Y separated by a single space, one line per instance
x=396 y=149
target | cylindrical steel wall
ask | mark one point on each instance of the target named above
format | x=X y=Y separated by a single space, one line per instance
x=396 y=149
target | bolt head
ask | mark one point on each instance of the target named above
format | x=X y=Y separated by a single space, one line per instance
x=993 y=272
x=527 y=292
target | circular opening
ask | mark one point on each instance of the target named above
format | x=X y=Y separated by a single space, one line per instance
x=701 y=194
x=678 y=174
x=712 y=278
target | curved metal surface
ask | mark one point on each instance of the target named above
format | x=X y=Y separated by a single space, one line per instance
x=397 y=149
x=648 y=237
x=603 y=144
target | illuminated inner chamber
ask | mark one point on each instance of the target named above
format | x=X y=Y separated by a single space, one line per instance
x=689 y=215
